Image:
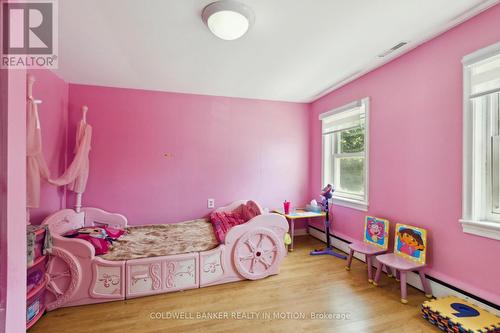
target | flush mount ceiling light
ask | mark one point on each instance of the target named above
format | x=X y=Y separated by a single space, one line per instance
x=227 y=19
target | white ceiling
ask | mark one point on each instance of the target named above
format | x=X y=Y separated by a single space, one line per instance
x=296 y=51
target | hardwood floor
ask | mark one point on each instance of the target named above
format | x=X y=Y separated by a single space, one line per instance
x=306 y=284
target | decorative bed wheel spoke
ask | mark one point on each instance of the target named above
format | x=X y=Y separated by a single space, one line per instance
x=247 y=257
x=59 y=275
x=64 y=276
x=54 y=277
x=251 y=245
x=252 y=264
x=260 y=240
x=53 y=288
x=265 y=262
x=269 y=251
x=257 y=260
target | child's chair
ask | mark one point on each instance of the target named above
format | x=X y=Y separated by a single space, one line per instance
x=410 y=247
x=375 y=241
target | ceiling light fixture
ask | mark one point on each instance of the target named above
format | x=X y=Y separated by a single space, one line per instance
x=227 y=19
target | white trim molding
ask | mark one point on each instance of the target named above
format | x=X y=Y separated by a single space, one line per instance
x=479 y=55
x=349 y=203
x=345 y=201
x=352 y=105
x=475 y=219
x=481 y=228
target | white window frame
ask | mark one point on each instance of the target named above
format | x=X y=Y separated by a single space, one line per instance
x=342 y=200
x=475 y=220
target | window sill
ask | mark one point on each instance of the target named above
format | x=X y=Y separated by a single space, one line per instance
x=481 y=228
x=350 y=203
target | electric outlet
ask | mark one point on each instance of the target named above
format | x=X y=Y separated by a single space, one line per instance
x=210 y=203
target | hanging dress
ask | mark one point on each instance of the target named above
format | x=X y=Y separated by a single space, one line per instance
x=36 y=167
x=77 y=173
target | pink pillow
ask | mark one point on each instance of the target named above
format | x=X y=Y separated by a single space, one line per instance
x=250 y=210
x=239 y=210
x=222 y=222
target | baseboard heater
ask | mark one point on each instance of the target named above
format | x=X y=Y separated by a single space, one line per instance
x=439 y=288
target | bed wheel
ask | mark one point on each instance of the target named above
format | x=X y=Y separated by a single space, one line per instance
x=64 y=277
x=257 y=253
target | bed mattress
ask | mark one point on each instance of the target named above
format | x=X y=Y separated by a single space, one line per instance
x=162 y=240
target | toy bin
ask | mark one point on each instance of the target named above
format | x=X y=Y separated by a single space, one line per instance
x=36 y=274
x=35 y=305
x=39 y=242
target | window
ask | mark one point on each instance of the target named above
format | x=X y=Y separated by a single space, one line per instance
x=481 y=160
x=345 y=158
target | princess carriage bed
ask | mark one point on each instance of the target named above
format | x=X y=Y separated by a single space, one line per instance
x=175 y=257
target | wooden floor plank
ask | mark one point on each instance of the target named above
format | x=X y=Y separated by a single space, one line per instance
x=306 y=284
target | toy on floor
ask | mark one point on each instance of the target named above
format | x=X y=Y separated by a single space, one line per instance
x=375 y=242
x=326 y=195
x=452 y=314
x=410 y=247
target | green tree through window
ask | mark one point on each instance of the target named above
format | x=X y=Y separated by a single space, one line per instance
x=353 y=140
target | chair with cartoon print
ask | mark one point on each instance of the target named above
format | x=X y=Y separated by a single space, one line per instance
x=410 y=247
x=375 y=241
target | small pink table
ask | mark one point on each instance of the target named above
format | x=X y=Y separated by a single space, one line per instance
x=297 y=214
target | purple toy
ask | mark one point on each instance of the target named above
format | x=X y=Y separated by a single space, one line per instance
x=326 y=194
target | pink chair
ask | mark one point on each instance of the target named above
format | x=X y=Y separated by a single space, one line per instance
x=410 y=247
x=375 y=241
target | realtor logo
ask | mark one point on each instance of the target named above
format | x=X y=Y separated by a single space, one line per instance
x=29 y=34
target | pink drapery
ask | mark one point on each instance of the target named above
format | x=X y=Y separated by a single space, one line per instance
x=36 y=167
x=76 y=174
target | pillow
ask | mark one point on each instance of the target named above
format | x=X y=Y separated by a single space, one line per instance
x=250 y=210
x=239 y=210
x=100 y=237
x=222 y=222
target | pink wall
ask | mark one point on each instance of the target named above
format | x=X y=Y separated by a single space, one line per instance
x=416 y=152
x=53 y=117
x=53 y=113
x=3 y=194
x=221 y=148
x=13 y=195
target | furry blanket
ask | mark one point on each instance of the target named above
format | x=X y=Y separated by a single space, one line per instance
x=163 y=240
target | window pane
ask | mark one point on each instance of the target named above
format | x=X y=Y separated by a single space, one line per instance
x=350 y=174
x=495 y=184
x=344 y=151
x=495 y=153
x=327 y=159
x=353 y=140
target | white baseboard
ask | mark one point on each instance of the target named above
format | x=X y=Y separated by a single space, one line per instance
x=438 y=289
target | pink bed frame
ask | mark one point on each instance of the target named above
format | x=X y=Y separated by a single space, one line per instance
x=77 y=276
